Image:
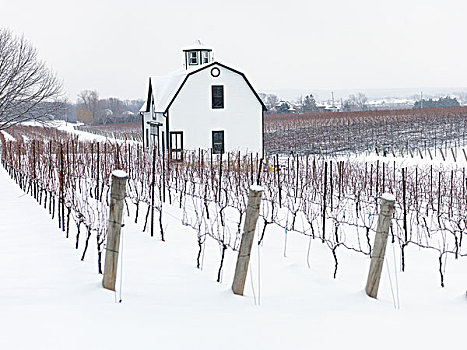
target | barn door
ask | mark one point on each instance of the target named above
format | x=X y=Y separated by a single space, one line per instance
x=176 y=145
x=218 y=142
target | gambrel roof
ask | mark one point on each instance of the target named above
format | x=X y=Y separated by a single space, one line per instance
x=165 y=89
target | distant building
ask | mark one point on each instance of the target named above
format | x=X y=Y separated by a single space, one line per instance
x=285 y=107
x=329 y=107
x=390 y=103
x=206 y=104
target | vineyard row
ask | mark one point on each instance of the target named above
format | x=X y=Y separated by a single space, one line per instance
x=334 y=201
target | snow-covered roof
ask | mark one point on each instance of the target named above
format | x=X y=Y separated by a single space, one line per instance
x=164 y=88
x=329 y=105
x=197 y=45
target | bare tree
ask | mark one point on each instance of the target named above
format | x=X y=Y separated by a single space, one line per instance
x=271 y=101
x=359 y=100
x=88 y=112
x=28 y=89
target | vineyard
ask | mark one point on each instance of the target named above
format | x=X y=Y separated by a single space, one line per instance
x=334 y=201
x=400 y=132
x=348 y=133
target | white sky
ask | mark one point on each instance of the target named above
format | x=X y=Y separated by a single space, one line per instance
x=114 y=46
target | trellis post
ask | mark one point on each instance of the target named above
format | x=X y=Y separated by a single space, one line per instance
x=117 y=196
x=243 y=260
x=379 y=249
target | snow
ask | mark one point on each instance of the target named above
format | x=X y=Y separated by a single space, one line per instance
x=197 y=45
x=8 y=137
x=389 y=197
x=165 y=87
x=256 y=188
x=119 y=173
x=70 y=127
x=49 y=299
x=144 y=107
x=416 y=160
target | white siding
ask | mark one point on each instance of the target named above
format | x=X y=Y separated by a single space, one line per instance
x=241 y=117
x=146 y=118
x=159 y=117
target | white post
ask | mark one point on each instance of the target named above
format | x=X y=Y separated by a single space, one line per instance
x=117 y=196
x=379 y=248
x=243 y=260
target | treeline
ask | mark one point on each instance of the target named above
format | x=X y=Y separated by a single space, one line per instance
x=308 y=104
x=92 y=110
x=441 y=102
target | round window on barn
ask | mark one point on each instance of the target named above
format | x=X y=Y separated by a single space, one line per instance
x=215 y=72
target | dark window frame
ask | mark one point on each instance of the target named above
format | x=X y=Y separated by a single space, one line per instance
x=218 y=146
x=204 y=57
x=176 y=153
x=195 y=58
x=217 y=96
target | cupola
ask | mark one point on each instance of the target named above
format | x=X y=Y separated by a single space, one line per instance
x=197 y=54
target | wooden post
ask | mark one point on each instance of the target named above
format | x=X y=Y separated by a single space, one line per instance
x=379 y=248
x=404 y=204
x=243 y=260
x=420 y=152
x=325 y=187
x=442 y=154
x=453 y=154
x=117 y=196
x=97 y=172
x=62 y=175
x=153 y=183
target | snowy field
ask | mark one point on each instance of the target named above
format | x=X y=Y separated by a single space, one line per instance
x=49 y=299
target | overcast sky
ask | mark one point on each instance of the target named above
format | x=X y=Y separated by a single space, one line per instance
x=114 y=46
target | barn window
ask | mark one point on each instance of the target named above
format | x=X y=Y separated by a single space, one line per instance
x=218 y=142
x=205 y=57
x=176 y=145
x=217 y=96
x=193 y=57
x=215 y=72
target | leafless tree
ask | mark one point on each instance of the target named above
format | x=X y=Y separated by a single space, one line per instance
x=88 y=112
x=28 y=89
x=270 y=100
x=359 y=100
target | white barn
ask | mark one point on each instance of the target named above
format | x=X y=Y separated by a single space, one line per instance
x=206 y=105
